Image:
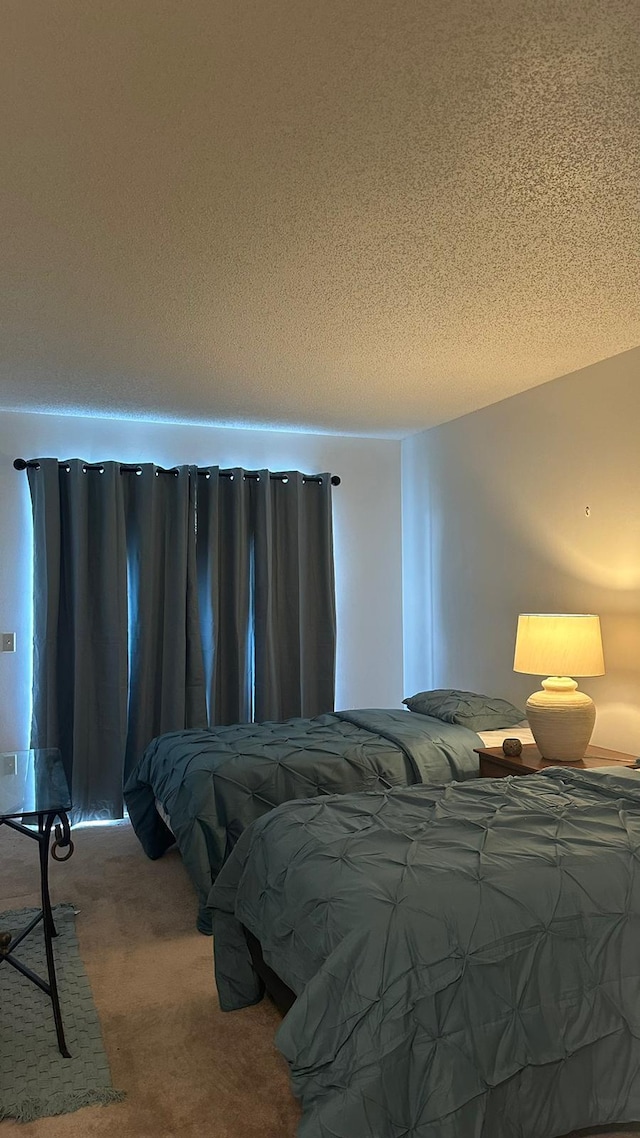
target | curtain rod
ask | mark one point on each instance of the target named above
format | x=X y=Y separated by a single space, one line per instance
x=22 y=464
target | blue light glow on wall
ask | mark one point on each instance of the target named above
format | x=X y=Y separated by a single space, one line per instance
x=367 y=532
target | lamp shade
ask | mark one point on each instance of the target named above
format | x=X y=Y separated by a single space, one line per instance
x=559 y=644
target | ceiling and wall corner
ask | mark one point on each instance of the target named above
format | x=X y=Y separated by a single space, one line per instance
x=367 y=218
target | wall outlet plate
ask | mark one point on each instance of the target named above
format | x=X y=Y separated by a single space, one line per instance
x=9 y=764
x=8 y=642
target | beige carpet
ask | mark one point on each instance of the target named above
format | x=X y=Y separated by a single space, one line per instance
x=188 y=1070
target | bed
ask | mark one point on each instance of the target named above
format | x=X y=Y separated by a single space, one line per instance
x=202 y=788
x=463 y=959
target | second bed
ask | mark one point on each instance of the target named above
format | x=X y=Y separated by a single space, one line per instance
x=202 y=788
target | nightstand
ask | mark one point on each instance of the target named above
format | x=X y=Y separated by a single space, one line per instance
x=495 y=764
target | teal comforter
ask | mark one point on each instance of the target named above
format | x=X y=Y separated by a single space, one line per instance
x=466 y=959
x=213 y=783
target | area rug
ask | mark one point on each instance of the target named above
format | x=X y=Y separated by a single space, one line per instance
x=35 y=1079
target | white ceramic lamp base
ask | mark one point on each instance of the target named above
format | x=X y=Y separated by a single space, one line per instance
x=561 y=719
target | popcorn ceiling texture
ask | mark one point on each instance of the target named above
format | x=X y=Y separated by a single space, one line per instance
x=367 y=217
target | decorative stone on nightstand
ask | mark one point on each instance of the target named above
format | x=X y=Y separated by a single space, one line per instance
x=512 y=747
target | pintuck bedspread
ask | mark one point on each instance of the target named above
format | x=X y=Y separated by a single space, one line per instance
x=213 y=783
x=466 y=959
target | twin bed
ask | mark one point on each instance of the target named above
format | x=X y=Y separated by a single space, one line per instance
x=202 y=788
x=458 y=956
x=462 y=960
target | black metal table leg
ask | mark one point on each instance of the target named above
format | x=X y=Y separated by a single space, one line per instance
x=45 y=825
x=50 y=929
x=9 y=943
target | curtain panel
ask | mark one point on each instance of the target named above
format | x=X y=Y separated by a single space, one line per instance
x=80 y=628
x=224 y=547
x=166 y=600
x=166 y=674
x=295 y=618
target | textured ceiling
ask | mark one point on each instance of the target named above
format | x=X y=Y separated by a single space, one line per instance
x=357 y=215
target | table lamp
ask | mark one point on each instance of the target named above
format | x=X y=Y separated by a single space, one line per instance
x=560 y=646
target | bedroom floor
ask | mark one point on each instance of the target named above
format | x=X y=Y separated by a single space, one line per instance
x=187 y=1069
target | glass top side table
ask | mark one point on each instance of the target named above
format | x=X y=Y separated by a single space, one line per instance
x=34 y=792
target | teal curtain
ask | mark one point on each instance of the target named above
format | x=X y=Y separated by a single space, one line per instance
x=80 y=628
x=167 y=686
x=169 y=599
x=224 y=554
x=295 y=617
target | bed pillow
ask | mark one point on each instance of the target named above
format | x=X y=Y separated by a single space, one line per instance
x=466 y=708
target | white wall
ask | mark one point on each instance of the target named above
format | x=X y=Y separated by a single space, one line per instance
x=367 y=532
x=494 y=524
